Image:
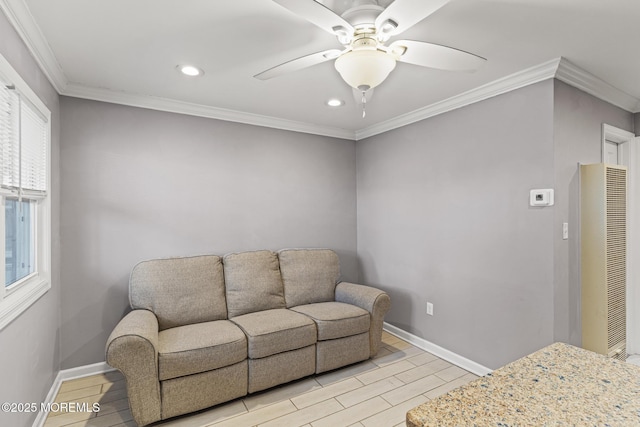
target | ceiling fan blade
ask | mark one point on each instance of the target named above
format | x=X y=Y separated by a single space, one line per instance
x=436 y=56
x=404 y=14
x=299 y=64
x=319 y=15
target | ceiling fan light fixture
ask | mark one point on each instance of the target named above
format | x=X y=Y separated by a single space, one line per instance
x=365 y=69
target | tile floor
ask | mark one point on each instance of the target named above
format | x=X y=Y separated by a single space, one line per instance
x=377 y=392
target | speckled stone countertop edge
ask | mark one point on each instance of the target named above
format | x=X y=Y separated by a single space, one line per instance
x=557 y=385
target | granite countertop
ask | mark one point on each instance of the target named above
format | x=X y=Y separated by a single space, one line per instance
x=557 y=385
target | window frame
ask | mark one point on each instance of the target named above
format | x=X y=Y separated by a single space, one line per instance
x=18 y=297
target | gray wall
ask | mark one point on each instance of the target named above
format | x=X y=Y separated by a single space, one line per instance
x=141 y=184
x=29 y=356
x=636 y=123
x=577 y=130
x=443 y=216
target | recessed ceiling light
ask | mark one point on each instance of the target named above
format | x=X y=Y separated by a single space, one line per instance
x=335 y=102
x=190 y=70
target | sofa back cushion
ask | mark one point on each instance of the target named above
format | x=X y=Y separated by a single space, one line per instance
x=180 y=291
x=309 y=275
x=253 y=282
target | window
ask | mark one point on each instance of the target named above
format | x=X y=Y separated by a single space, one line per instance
x=25 y=225
x=20 y=243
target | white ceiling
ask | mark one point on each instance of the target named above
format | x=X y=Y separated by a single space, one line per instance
x=130 y=49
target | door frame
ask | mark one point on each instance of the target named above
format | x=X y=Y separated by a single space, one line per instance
x=618 y=136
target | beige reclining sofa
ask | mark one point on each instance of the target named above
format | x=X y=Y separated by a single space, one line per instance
x=205 y=329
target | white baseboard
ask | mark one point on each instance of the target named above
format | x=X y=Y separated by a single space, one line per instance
x=66 y=375
x=436 y=350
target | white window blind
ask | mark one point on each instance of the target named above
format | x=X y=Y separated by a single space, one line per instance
x=23 y=139
x=9 y=137
x=33 y=149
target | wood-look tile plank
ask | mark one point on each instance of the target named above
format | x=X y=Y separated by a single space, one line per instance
x=325 y=393
x=113 y=406
x=78 y=393
x=423 y=371
x=398 y=345
x=68 y=418
x=306 y=415
x=110 y=420
x=258 y=416
x=388 y=338
x=412 y=390
x=110 y=396
x=113 y=386
x=353 y=414
x=397 y=356
x=382 y=352
x=367 y=392
x=447 y=387
x=107 y=377
x=451 y=373
x=423 y=358
x=344 y=373
x=217 y=414
x=281 y=393
x=387 y=371
x=396 y=414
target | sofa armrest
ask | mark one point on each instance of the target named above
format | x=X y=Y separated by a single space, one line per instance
x=375 y=301
x=132 y=348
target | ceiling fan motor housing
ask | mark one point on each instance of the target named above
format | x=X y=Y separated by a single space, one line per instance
x=363 y=16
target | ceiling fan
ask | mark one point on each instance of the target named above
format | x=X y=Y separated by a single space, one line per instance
x=365 y=60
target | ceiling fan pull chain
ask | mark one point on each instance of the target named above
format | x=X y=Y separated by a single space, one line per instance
x=364 y=104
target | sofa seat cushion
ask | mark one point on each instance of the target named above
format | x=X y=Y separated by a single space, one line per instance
x=336 y=319
x=199 y=347
x=275 y=331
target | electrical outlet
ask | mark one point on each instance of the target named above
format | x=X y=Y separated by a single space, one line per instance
x=429 y=309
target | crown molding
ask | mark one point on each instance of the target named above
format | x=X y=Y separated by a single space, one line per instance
x=587 y=82
x=20 y=17
x=181 y=107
